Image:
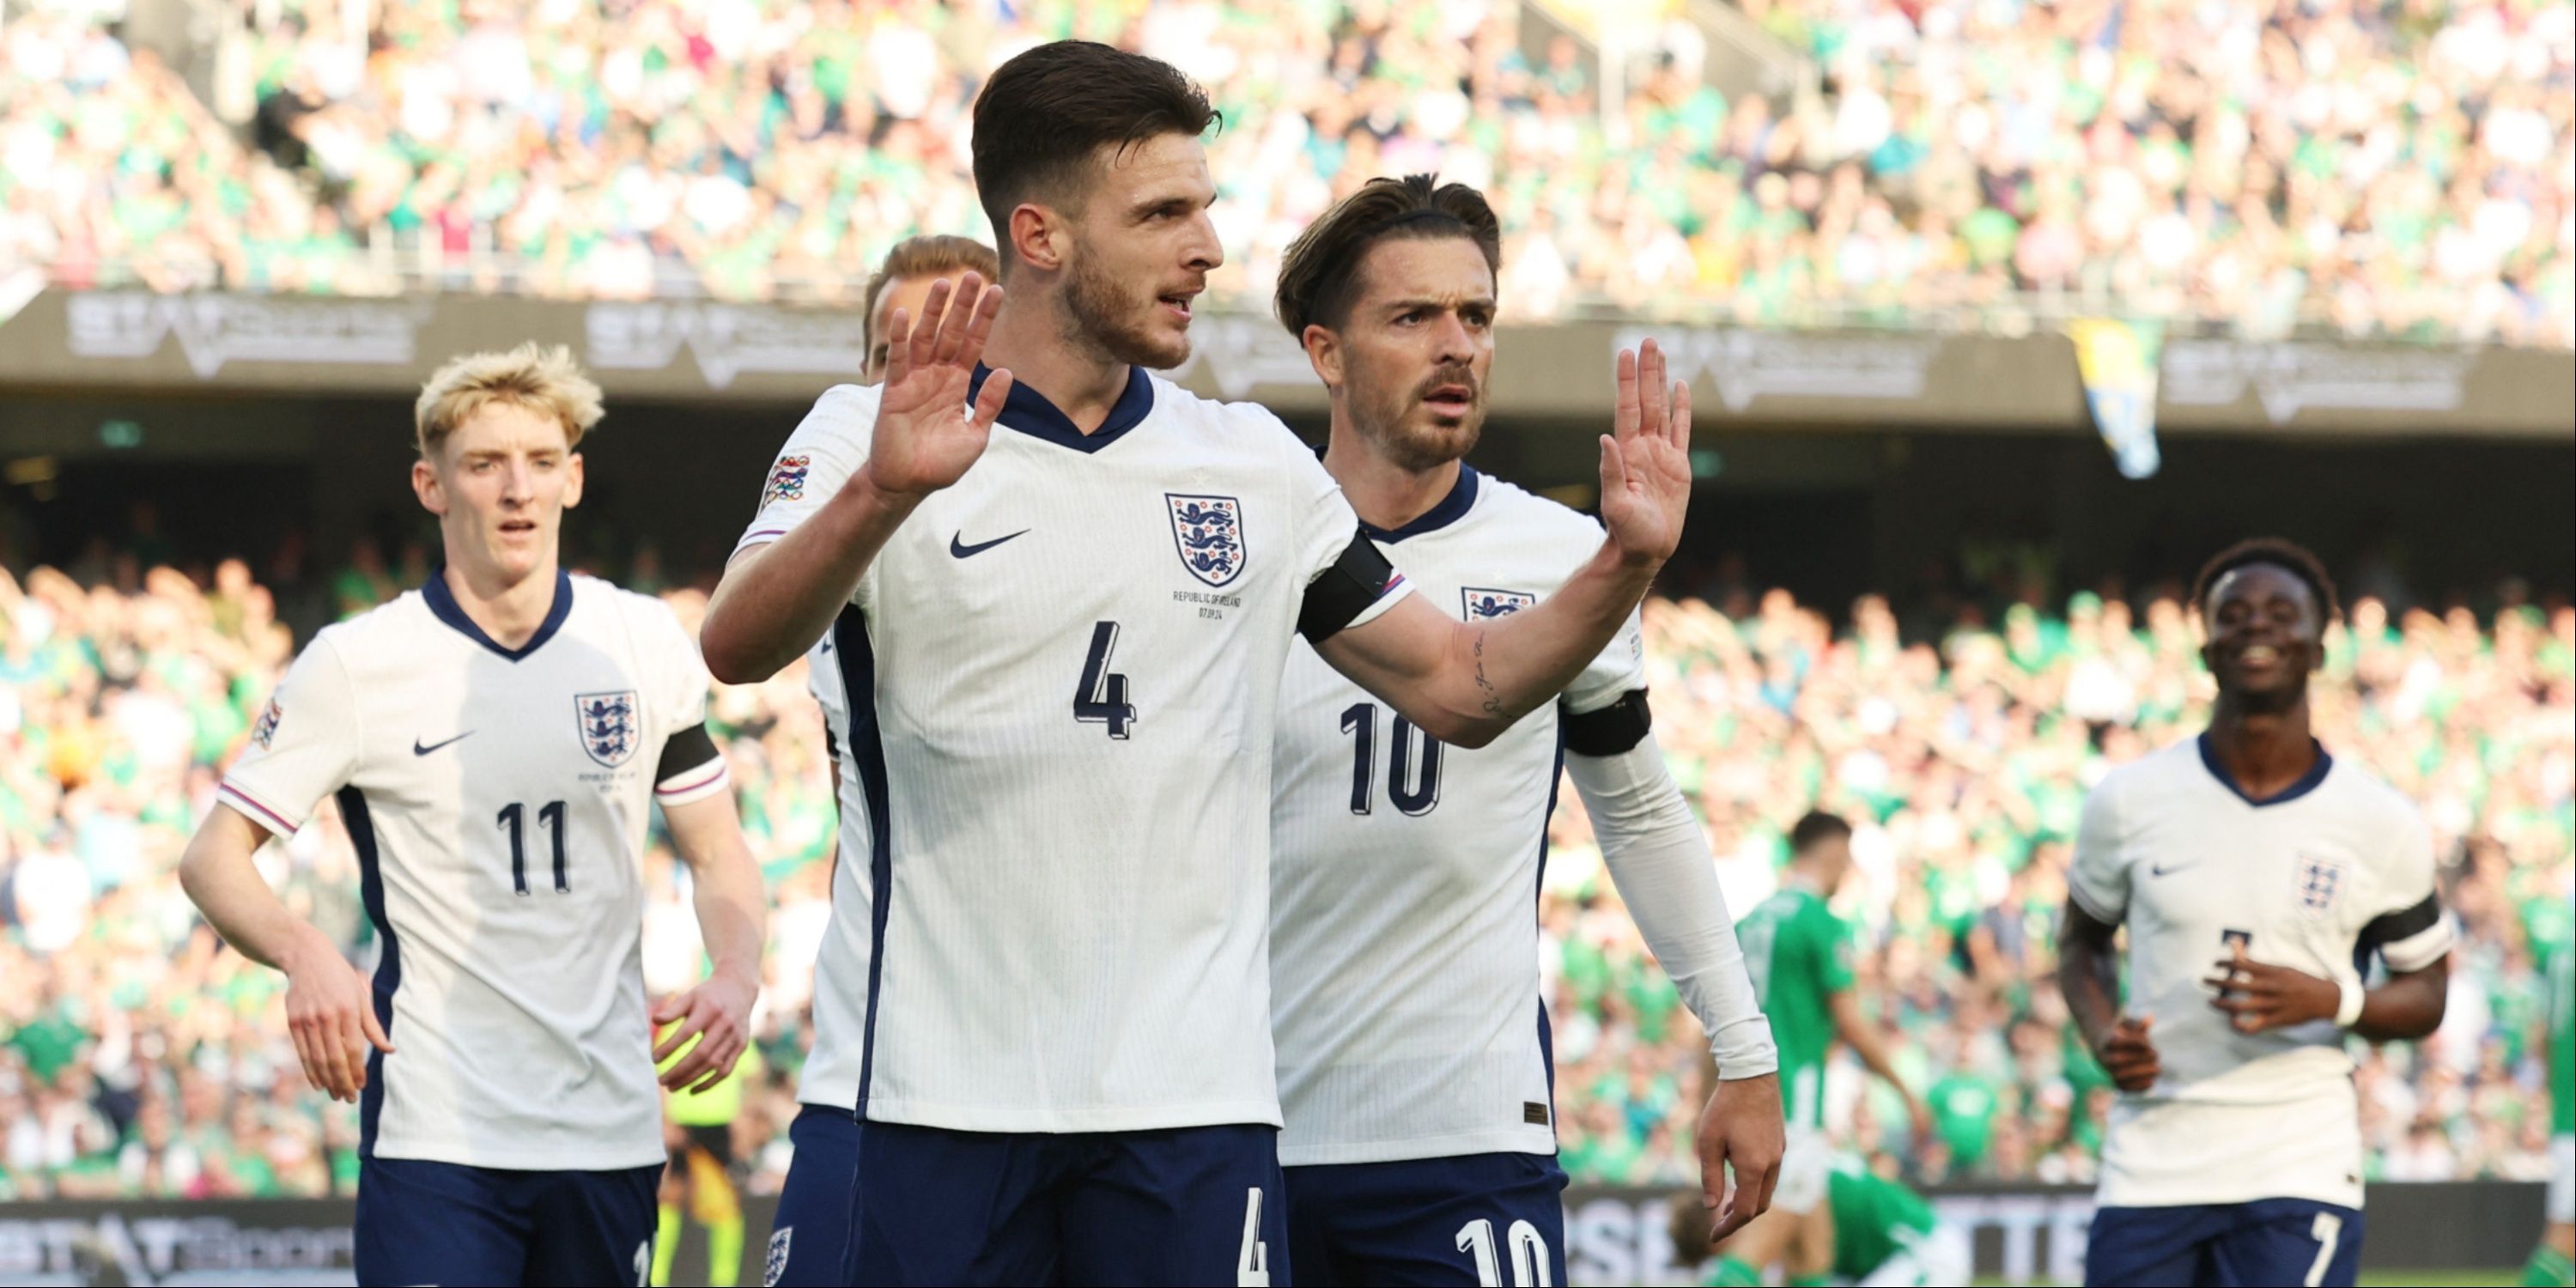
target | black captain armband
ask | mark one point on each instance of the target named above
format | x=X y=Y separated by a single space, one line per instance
x=687 y=749
x=2394 y=928
x=1359 y=578
x=1612 y=730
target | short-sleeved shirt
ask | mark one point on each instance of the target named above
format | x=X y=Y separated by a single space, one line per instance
x=1062 y=675
x=1800 y=955
x=2335 y=868
x=498 y=799
x=1405 y=873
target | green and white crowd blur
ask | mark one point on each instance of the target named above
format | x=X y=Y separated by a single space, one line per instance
x=1959 y=732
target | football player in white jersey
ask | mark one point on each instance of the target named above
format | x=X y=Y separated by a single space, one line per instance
x=1414 y=1054
x=1063 y=666
x=810 y=1234
x=496 y=741
x=2258 y=876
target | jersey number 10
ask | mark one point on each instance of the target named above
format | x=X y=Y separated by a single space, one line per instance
x=1417 y=797
x=549 y=817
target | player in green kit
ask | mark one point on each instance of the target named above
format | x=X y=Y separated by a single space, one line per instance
x=2554 y=1261
x=1800 y=955
x=1885 y=1235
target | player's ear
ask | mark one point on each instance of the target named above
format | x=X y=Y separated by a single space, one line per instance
x=426 y=486
x=1324 y=353
x=572 y=480
x=1038 y=235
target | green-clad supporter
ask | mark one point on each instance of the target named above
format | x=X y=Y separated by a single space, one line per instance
x=1964 y=1106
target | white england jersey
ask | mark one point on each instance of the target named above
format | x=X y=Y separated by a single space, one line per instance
x=1062 y=677
x=1404 y=874
x=2334 y=868
x=831 y=1075
x=498 y=799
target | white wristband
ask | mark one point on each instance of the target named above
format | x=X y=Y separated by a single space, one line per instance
x=2348 y=1011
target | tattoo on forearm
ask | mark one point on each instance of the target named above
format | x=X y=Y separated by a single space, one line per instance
x=1493 y=700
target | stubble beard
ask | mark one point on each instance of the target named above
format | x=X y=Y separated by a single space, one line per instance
x=1100 y=321
x=1417 y=449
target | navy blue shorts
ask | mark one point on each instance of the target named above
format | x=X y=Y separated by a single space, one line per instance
x=1183 y=1205
x=2270 y=1241
x=445 y=1223
x=1495 y=1219
x=811 y=1235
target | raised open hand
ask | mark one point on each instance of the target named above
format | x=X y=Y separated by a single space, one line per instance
x=1645 y=466
x=928 y=434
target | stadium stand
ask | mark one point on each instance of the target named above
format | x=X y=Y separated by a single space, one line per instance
x=136 y=1059
x=2368 y=167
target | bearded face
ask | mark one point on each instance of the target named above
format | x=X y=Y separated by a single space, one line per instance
x=1417 y=349
x=1141 y=253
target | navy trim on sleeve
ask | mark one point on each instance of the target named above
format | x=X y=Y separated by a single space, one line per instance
x=1613 y=729
x=1356 y=580
x=686 y=750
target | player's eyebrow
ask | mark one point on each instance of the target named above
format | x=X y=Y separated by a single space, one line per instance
x=1180 y=204
x=1407 y=305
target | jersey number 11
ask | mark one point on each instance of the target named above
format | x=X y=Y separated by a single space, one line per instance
x=549 y=817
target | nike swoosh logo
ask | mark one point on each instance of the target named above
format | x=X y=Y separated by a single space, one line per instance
x=2160 y=870
x=418 y=750
x=957 y=547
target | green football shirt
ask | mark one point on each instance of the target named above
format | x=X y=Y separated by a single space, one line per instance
x=1874 y=1219
x=1799 y=954
x=1963 y=1112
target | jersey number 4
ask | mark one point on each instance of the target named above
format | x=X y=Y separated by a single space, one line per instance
x=1101 y=698
x=1418 y=796
x=512 y=819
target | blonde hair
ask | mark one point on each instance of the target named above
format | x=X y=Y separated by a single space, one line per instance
x=540 y=378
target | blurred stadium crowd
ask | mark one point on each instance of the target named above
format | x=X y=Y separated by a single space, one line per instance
x=2378 y=167
x=139 y=1058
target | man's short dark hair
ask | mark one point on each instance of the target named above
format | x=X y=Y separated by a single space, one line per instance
x=1043 y=117
x=1816 y=828
x=1319 y=279
x=2288 y=556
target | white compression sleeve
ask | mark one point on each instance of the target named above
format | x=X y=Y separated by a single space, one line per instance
x=1659 y=858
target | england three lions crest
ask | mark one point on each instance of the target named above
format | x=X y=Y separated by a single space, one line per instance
x=2319 y=881
x=1480 y=604
x=610 y=727
x=1208 y=531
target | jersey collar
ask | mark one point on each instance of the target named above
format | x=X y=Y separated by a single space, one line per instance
x=2307 y=782
x=1029 y=412
x=442 y=604
x=1452 y=508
